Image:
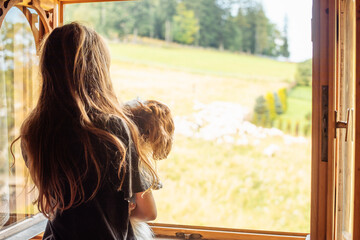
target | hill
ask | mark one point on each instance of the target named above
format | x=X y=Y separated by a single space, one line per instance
x=205 y=61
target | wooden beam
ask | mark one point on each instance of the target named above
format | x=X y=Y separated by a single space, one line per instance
x=90 y=1
x=5 y=6
x=61 y=13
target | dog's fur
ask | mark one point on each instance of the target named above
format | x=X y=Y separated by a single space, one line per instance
x=156 y=129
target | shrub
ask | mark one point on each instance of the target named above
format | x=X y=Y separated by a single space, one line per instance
x=282 y=94
x=270 y=102
x=261 y=111
x=303 y=75
x=278 y=105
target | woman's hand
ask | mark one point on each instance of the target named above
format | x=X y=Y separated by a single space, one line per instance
x=145 y=208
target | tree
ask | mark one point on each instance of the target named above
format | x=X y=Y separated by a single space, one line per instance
x=209 y=15
x=165 y=10
x=261 y=29
x=284 y=50
x=219 y=24
x=140 y=20
x=240 y=24
x=227 y=32
x=255 y=29
x=258 y=35
x=115 y=23
x=186 y=25
x=273 y=36
x=232 y=36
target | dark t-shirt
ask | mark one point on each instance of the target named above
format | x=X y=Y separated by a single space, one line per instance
x=106 y=216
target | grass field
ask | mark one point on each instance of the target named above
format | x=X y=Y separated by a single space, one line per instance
x=236 y=186
x=206 y=61
x=300 y=103
x=221 y=184
x=299 y=112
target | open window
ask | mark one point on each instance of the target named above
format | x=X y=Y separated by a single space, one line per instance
x=260 y=179
x=335 y=160
x=21 y=29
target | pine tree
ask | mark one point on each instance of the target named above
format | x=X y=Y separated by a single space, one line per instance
x=168 y=8
x=164 y=13
x=285 y=47
x=240 y=25
x=140 y=21
x=257 y=32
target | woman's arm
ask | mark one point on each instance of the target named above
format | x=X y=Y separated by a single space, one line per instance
x=145 y=209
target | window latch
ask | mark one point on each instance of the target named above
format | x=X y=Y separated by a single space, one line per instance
x=183 y=235
x=343 y=124
x=324 y=122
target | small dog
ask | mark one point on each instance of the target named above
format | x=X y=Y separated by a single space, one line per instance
x=156 y=129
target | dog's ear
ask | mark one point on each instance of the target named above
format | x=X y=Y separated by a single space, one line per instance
x=161 y=129
x=139 y=113
x=155 y=125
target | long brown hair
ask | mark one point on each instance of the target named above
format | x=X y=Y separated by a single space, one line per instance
x=76 y=90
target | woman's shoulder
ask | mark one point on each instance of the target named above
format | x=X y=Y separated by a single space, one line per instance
x=113 y=124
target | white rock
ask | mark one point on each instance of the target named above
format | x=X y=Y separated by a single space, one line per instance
x=271 y=150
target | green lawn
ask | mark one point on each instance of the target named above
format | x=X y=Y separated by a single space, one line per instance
x=299 y=102
x=299 y=110
x=204 y=61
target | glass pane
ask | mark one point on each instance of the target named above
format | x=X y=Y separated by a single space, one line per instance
x=18 y=91
x=242 y=106
x=346 y=103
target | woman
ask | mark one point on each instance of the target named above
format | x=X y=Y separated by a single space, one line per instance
x=81 y=149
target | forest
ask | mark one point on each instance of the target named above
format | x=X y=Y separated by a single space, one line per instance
x=233 y=25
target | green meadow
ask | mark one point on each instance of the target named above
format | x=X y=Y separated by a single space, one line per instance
x=220 y=183
x=204 y=61
x=299 y=112
x=300 y=103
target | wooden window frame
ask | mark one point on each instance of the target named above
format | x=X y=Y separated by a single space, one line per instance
x=322 y=184
x=322 y=175
x=356 y=230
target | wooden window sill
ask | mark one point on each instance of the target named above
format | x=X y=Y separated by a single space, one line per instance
x=170 y=231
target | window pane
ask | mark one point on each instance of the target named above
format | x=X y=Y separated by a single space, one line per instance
x=18 y=85
x=242 y=107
